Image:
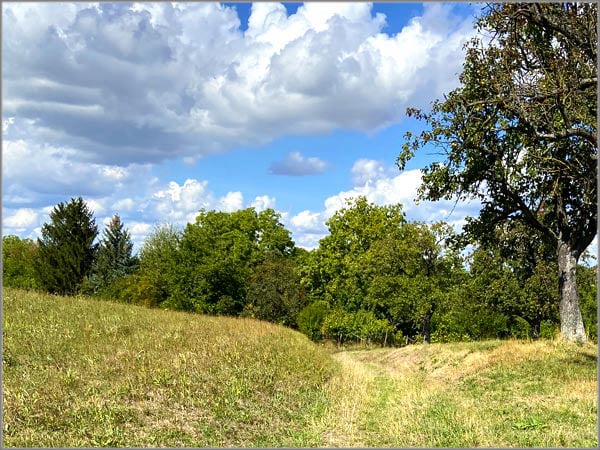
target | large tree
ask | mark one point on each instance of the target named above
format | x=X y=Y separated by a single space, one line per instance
x=218 y=254
x=520 y=133
x=67 y=250
x=339 y=271
x=115 y=255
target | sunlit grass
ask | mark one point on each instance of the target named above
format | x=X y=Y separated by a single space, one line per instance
x=79 y=372
x=488 y=394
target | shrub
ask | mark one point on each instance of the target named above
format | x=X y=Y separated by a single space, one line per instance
x=18 y=262
x=310 y=319
x=275 y=293
x=361 y=326
x=548 y=330
x=520 y=328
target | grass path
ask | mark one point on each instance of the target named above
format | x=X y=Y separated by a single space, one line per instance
x=540 y=394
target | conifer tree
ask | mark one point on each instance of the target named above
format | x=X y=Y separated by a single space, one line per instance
x=115 y=255
x=67 y=250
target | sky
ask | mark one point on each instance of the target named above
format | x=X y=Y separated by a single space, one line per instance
x=156 y=110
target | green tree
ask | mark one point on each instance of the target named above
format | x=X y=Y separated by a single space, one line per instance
x=503 y=295
x=338 y=271
x=18 y=262
x=520 y=133
x=275 y=293
x=218 y=255
x=588 y=292
x=412 y=276
x=115 y=256
x=311 y=318
x=155 y=280
x=67 y=250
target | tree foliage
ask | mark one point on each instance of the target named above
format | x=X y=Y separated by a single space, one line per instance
x=67 y=250
x=154 y=282
x=274 y=292
x=520 y=134
x=338 y=270
x=115 y=256
x=218 y=255
x=18 y=262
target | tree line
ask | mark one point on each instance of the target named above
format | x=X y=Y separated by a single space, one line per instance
x=519 y=135
x=376 y=278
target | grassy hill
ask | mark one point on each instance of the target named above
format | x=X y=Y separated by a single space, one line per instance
x=79 y=372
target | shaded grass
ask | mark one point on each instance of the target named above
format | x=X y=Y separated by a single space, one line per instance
x=83 y=373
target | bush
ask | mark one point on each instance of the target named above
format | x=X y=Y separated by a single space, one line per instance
x=548 y=330
x=275 y=293
x=469 y=324
x=361 y=326
x=338 y=325
x=520 y=328
x=311 y=318
x=18 y=262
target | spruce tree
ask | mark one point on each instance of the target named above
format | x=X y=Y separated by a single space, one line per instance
x=115 y=256
x=67 y=250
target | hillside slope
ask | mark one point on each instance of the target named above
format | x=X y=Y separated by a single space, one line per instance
x=79 y=372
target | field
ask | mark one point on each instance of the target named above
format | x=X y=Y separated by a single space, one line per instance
x=80 y=372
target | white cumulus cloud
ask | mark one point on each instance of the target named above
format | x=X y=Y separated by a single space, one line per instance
x=21 y=218
x=232 y=201
x=262 y=202
x=126 y=83
x=365 y=170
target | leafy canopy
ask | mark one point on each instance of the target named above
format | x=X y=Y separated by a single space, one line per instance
x=520 y=133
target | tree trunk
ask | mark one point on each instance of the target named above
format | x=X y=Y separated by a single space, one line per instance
x=427 y=328
x=571 y=322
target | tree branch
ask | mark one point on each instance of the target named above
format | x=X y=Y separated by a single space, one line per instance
x=590 y=136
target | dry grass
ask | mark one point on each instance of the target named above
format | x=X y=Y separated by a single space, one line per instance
x=78 y=372
x=489 y=394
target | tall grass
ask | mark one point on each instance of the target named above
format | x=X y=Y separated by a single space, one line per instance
x=79 y=372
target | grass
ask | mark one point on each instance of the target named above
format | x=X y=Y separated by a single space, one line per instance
x=479 y=394
x=87 y=373
x=79 y=372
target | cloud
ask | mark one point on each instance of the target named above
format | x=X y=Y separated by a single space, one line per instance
x=295 y=164
x=231 y=202
x=22 y=218
x=380 y=188
x=383 y=191
x=37 y=175
x=147 y=82
x=367 y=170
x=95 y=95
x=262 y=202
x=125 y=204
x=307 y=221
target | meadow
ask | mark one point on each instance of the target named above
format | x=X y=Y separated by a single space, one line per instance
x=83 y=372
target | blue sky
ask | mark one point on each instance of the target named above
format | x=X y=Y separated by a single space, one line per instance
x=155 y=110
